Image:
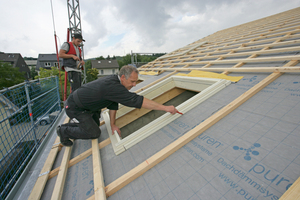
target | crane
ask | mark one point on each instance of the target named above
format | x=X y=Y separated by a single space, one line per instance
x=75 y=25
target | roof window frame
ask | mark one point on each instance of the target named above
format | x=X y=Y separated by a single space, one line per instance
x=206 y=87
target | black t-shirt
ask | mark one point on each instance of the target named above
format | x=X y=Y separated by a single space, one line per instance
x=107 y=92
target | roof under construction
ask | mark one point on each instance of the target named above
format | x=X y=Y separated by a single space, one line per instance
x=238 y=137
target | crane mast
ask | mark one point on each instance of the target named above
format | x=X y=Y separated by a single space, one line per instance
x=75 y=25
x=74 y=17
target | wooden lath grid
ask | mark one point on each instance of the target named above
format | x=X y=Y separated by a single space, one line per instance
x=265 y=49
x=271 y=35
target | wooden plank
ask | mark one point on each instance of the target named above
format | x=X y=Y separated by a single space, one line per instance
x=80 y=157
x=60 y=181
x=189 y=48
x=264 y=40
x=293 y=193
x=266 y=59
x=137 y=113
x=244 y=46
x=39 y=186
x=98 y=175
x=259 y=36
x=243 y=69
x=271 y=28
x=265 y=49
x=170 y=149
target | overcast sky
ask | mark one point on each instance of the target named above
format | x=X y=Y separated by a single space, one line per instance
x=117 y=27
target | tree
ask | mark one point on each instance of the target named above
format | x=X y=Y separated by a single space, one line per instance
x=33 y=72
x=48 y=72
x=125 y=60
x=55 y=72
x=92 y=74
x=10 y=76
x=100 y=58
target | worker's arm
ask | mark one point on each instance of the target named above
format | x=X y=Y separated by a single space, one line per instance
x=112 y=116
x=62 y=54
x=152 y=105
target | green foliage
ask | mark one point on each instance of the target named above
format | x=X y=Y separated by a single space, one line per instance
x=10 y=76
x=55 y=72
x=139 y=58
x=125 y=61
x=88 y=65
x=91 y=74
x=47 y=73
x=100 y=58
x=33 y=73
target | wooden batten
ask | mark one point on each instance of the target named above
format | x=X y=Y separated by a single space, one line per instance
x=62 y=174
x=98 y=175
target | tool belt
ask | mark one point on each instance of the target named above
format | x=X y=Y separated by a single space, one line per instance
x=76 y=99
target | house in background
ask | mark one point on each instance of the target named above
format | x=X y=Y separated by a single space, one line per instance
x=31 y=63
x=47 y=61
x=16 y=60
x=105 y=67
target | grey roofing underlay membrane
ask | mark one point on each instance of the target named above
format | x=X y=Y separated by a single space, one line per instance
x=251 y=153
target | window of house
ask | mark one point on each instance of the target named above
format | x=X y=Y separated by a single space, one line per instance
x=113 y=71
x=47 y=64
x=56 y=64
x=102 y=71
x=189 y=91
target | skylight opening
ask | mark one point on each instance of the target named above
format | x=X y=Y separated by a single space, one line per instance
x=179 y=98
x=172 y=86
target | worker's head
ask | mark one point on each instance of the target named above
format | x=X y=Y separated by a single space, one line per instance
x=129 y=76
x=77 y=39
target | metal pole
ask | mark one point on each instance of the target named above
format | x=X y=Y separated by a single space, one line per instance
x=58 y=98
x=30 y=112
x=58 y=62
x=66 y=73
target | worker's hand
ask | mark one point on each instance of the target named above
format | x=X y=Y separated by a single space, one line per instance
x=115 y=128
x=75 y=57
x=171 y=109
x=82 y=62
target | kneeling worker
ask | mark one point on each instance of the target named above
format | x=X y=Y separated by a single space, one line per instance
x=86 y=102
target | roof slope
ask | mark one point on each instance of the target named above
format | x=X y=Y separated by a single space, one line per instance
x=241 y=143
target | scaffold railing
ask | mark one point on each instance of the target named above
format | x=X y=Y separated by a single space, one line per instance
x=27 y=112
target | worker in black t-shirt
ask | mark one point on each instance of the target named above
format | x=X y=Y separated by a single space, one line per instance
x=86 y=102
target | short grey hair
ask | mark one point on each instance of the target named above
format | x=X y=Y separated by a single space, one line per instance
x=126 y=70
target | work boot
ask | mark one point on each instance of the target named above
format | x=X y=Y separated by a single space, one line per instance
x=63 y=140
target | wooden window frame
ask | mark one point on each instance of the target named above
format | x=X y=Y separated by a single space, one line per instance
x=206 y=87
